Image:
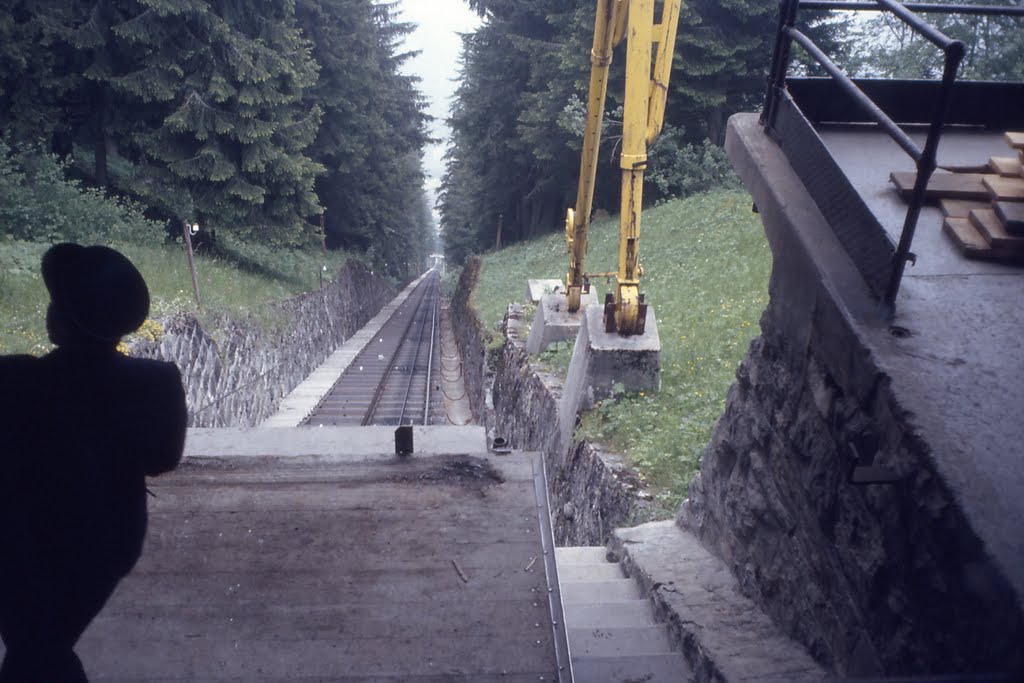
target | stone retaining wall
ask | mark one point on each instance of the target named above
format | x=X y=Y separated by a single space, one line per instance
x=873 y=578
x=237 y=369
x=592 y=491
x=471 y=339
x=818 y=488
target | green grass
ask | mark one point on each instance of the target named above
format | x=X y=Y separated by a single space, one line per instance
x=707 y=265
x=238 y=279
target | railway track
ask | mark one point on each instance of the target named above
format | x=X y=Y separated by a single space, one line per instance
x=392 y=381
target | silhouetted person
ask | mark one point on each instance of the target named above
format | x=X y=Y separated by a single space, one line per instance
x=81 y=429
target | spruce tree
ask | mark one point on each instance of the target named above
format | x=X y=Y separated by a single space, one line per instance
x=374 y=128
x=218 y=132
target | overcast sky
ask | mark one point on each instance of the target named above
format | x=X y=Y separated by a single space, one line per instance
x=438 y=24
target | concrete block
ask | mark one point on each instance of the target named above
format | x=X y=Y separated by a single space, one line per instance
x=554 y=323
x=535 y=289
x=602 y=362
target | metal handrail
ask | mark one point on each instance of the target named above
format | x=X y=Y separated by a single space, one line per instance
x=953 y=50
x=923 y=7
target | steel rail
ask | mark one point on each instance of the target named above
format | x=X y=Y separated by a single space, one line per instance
x=387 y=371
x=416 y=354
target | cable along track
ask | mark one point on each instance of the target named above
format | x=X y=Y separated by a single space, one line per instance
x=391 y=381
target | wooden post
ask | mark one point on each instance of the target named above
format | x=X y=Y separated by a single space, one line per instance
x=186 y=233
x=497 y=242
x=323 y=235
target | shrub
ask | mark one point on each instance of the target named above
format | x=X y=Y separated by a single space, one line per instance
x=680 y=170
x=39 y=203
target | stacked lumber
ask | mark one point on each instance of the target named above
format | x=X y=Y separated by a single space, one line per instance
x=983 y=206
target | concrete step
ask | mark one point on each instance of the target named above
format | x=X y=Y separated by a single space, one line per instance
x=721 y=632
x=605 y=571
x=622 y=640
x=580 y=555
x=661 y=668
x=615 y=590
x=608 y=614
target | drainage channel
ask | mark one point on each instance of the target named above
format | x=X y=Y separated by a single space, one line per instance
x=392 y=380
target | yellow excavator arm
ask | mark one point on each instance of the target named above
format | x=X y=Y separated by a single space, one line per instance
x=644 y=113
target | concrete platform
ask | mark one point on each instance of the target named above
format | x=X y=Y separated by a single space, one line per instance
x=338 y=442
x=348 y=568
x=535 y=289
x=554 y=323
x=304 y=399
x=603 y=364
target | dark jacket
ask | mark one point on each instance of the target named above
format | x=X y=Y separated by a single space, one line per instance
x=80 y=429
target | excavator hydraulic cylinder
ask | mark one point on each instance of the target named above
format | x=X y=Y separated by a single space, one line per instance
x=578 y=221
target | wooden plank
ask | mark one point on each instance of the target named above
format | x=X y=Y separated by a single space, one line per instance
x=945 y=185
x=1004 y=188
x=991 y=228
x=1014 y=139
x=1012 y=216
x=972 y=244
x=965 y=236
x=960 y=208
x=1006 y=166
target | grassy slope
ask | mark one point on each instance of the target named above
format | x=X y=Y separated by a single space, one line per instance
x=224 y=283
x=707 y=265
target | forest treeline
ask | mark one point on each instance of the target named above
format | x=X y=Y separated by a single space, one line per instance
x=255 y=118
x=246 y=116
x=518 y=117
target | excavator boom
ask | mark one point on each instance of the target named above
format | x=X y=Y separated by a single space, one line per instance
x=644 y=112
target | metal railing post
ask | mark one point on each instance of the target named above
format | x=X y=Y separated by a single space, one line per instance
x=780 y=62
x=925 y=167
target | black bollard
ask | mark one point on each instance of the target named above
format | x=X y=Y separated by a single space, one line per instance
x=403 y=440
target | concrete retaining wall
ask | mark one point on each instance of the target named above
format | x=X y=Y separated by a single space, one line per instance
x=592 y=491
x=236 y=370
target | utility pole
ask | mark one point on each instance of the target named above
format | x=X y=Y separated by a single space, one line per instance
x=186 y=232
x=497 y=242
